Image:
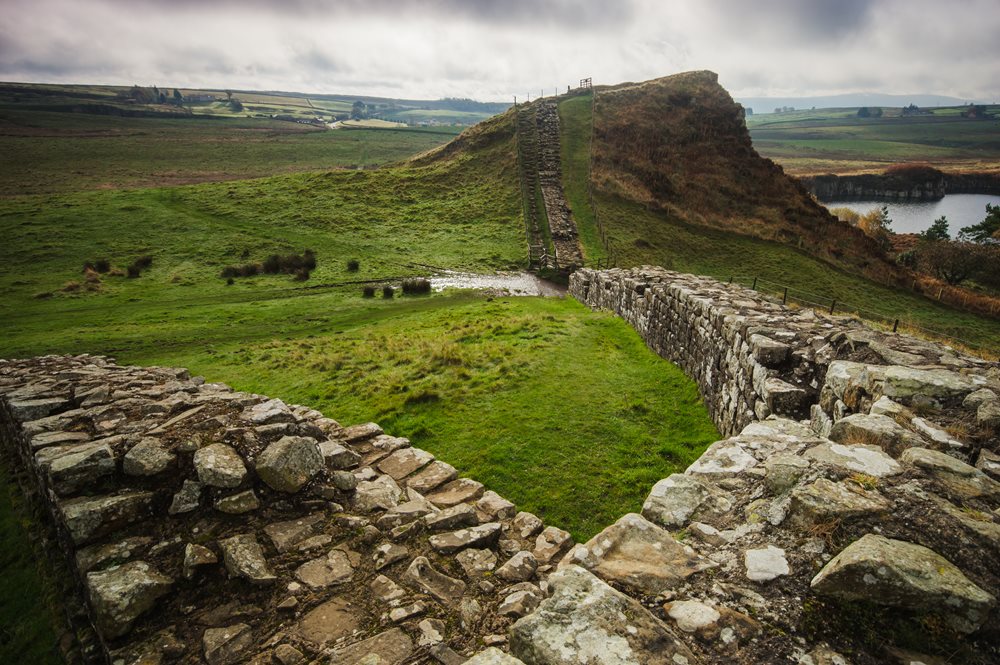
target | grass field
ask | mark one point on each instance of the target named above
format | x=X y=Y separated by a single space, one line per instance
x=575 y=116
x=837 y=141
x=62 y=152
x=26 y=617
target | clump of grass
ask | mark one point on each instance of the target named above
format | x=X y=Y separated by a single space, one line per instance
x=368 y=291
x=416 y=286
x=100 y=265
x=864 y=481
x=71 y=286
x=388 y=292
x=299 y=265
x=353 y=265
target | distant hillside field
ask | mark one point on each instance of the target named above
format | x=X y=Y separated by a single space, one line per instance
x=47 y=152
x=838 y=141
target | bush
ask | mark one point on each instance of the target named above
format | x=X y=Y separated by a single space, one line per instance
x=230 y=281
x=102 y=265
x=143 y=262
x=133 y=271
x=368 y=292
x=416 y=286
x=290 y=264
x=353 y=265
x=388 y=292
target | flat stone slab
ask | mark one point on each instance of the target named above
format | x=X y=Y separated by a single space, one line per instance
x=405 y=461
x=432 y=476
x=905 y=575
x=766 y=563
x=860 y=458
x=285 y=535
x=586 y=621
x=445 y=589
x=393 y=647
x=955 y=475
x=723 y=458
x=483 y=535
x=87 y=518
x=456 y=492
x=332 y=568
x=331 y=621
x=824 y=500
x=635 y=552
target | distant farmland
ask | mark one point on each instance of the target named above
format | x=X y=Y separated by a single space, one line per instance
x=838 y=141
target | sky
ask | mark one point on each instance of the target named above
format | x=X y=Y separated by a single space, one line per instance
x=491 y=50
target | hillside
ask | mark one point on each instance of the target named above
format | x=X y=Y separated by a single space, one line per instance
x=679 y=145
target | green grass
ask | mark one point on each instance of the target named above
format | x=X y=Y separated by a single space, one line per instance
x=562 y=410
x=27 y=617
x=837 y=141
x=640 y=236
x=62 y=152
x=575 y=117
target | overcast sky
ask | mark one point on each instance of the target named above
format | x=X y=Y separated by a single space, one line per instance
x=493 y=49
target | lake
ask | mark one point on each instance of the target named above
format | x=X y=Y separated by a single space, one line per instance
x=916 y=216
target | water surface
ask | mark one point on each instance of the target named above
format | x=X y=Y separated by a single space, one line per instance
x=916 y=216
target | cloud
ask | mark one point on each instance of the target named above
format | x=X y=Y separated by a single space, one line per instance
x=494 y=49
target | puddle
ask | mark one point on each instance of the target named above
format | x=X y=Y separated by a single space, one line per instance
x=506 y=283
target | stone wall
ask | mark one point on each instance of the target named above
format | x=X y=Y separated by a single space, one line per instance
x=851 y=514
x=208 y=525
x=875 y=487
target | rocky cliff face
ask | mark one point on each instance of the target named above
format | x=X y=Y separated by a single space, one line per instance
x=889 y=187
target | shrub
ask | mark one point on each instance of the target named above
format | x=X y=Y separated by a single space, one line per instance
x=416 y=285
x=301 y=275
x=143 y=262
x=290 y=264
x=353 y=265
x=102 y=265
x=230 y=281
x=368 y=292
x=133 y=271
x=388 y=292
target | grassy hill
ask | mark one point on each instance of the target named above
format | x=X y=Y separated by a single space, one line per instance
x=677 y=183
x=838 y=141
x=479 y=382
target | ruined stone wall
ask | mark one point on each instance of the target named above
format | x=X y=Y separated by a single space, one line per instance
x=206 y=525
x=878 y=489
x=851 y=514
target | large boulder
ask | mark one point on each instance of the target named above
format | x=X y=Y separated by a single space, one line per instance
x=289 y=463
x=121 y=594
x=637 y=553
x=904 y=575
x=586 y=621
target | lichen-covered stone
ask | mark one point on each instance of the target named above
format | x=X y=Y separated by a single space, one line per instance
x=147 y=458
x=244 y=557
x=121 y=594
x=679 y=498
x=289 y=463
x=905 y=575
x=586 y=621
x=218 y=465
x=637 y=553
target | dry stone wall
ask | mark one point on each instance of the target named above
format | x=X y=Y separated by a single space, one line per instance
x=858 y=522
x=851 y=514
x=205 y=525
